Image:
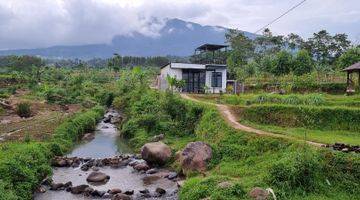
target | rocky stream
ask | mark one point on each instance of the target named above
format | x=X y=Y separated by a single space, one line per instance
x=103 y=167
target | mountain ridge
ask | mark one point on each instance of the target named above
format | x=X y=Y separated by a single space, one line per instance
x=176 y=38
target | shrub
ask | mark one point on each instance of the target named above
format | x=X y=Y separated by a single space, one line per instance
x=23 y=109
x=119 y=103
x=326 y=118
x=295 y=172
x=106 y=98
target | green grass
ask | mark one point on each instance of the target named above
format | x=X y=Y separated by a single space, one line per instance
x=300 y=99
x=321 y=136
x=248 y=161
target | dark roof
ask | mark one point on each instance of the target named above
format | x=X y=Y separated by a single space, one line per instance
x=354 y=67
x=211 y=47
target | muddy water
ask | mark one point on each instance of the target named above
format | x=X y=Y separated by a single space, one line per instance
x=106 y=143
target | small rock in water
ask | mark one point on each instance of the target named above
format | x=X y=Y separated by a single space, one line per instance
x=180 y=183
x=141 y=166
x=85 y=167
x=59 y=162
x=114 y=191
x=160 y=191
x=107 y=196
x=104 y=127
x=41 y=189
x=97 y=177
x=129 y=192
x=88 y=136
x=97 y=193
x=120 y=196
x=145 y=191
x=87 y=159
x=47 y=181
x=95 y=169
x=79 y=189
x=68 y=184
x=172 y=175
x=56 y=186
x=151 y=171
x=88 y=191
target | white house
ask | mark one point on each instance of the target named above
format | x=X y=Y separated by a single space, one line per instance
x=197 y=77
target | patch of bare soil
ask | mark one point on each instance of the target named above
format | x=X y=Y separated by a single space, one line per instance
x=45 y=118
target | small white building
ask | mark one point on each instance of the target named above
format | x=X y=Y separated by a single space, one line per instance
x=198 y=78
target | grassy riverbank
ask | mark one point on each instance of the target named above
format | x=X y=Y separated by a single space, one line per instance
x=292 y=170
x=24 y=164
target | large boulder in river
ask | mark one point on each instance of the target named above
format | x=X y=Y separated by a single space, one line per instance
x=97 y=177
x=156 y=153
x=195 y=156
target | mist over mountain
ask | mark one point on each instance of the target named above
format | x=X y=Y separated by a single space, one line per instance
x=175 y=37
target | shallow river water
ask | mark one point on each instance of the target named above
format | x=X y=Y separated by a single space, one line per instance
x=106 y=143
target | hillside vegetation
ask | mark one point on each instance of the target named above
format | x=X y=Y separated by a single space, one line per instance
x=292 y=170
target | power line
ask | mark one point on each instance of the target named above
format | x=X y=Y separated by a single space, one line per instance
x=273 y=21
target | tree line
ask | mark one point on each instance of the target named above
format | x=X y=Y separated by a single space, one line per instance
x=27 y=63
x=280 y=55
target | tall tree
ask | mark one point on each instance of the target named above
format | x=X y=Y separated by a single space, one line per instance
x=294 y=41
x=242 y=50
x=267 y=43
x=283 y=63
x=302 y=63
x=326 y=48
x=350 y=57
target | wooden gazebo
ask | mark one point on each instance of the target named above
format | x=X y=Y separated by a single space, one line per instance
x=355 y=68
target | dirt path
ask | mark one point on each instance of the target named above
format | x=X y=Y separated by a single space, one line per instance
x=231 y=119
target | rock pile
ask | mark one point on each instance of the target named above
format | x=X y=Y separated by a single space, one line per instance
x=87 y=163
x=88 y=191
x=345 y=147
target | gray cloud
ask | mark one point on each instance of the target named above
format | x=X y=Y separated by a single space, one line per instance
x=41 y=23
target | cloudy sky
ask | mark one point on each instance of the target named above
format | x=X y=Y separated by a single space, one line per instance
x=42 y=23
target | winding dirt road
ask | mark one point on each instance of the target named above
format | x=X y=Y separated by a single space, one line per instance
x=231 y=119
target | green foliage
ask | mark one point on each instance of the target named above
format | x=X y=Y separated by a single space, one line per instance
x=107 y=98
x=24 y=165
x=6 y=193
x=349 y=58
x=325 y=118
x=23 y=109
x=197 y=188
x=296 y=173
x=303 y=63
x=174 y=83
x=311 y=99
x=283 y=63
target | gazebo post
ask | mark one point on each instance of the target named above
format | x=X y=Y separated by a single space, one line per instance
x=348 y=79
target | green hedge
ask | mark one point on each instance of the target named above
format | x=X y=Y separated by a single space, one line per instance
x=327 y=118
x=24 y=165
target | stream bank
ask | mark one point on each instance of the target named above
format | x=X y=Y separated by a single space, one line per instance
x=106 y=154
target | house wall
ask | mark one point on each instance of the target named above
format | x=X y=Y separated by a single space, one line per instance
x=164 y=72
x=208 y=81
